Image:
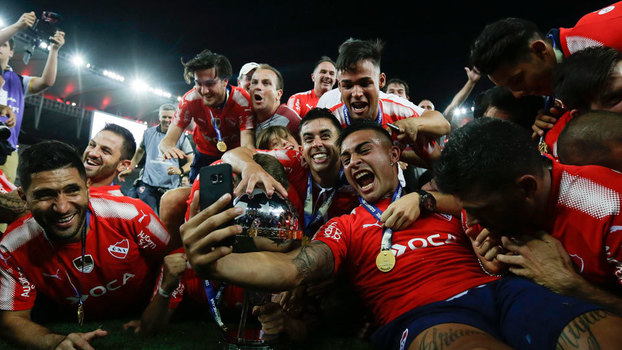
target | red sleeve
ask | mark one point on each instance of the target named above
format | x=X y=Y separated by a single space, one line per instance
x=294 y=103
x=613 y=246
x=332 y=233
x=149 y=232
x=16 y=291
x=183 y=117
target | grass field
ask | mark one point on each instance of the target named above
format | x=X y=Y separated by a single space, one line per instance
x=182 y=335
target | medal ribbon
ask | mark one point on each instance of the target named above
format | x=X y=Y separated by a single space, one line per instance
x=346 y=115
x=387 y=233
x=218 y=134
x=311 y=217
x=213 y=298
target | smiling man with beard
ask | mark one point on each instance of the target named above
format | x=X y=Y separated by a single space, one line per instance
x=324 y=78
x=266 y=90
x=95 y=256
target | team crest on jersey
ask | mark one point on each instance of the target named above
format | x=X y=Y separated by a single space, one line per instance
x=403 y=340
x=119 y=250
x=88 y=263
x=141 y=189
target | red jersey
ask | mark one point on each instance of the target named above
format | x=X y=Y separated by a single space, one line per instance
x=234 y=117
x=124 y=246
x=112 y=190
x=392 y=109
x=551 y=136
x=598 y=28
x=303 y=102
x=584 y=214
x=434 y=261
x=283 y=116
x=5 y=185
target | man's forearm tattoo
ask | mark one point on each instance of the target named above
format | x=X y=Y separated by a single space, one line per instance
x=433 y=339
x=314 y=262
x=578 y=333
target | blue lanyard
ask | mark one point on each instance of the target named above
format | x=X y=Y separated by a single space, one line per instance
x=387 y=233
x=213 y=298
x=346 y=115
x=218 y=134
x=310 y=217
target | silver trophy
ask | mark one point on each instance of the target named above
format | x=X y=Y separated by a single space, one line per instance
x=269 y=224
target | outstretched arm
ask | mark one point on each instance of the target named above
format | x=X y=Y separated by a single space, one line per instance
x=48 y=77
x=18 y=328
x=25 y=20
x=473 y=76
x=241 y=160
x=260 y=270
x=167 y=145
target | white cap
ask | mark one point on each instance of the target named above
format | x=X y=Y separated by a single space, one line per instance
x=247 y=68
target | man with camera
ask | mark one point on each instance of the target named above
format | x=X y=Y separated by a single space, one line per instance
x=15 y=87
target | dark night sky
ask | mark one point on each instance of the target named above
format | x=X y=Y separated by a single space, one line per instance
x=426 y=41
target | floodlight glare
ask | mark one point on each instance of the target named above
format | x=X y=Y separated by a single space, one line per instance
x=43 y=45
x=463 y=110
x=77 y=60
x=2 y=22
x=139 y=85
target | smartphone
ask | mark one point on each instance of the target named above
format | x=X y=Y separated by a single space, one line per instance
x=394 y=127
x=215 y=181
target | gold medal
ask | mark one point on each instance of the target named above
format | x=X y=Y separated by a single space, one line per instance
x=385 y=261
x=222 y=146
x=80 y=314
x=543 y=148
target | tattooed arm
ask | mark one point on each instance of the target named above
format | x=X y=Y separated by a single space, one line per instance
x=201 y=236
x=12 y=207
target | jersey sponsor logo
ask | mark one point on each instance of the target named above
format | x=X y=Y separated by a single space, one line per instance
x=88 y=263
x=398 y=249
x=120 y=249
x=434 y=240
x=98 y=291
x=56 y=275
x=27 y=287
x=444 y=216
x=606 y=10
x=331 y=231
x=145 y=241
x=403 y=339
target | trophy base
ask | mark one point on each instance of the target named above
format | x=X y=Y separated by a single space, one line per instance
x=250 y=339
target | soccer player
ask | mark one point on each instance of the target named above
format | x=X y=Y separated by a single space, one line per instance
x=428 y=268
x=222 y=113
x=514 y=53
x=266 y=90
x=398 y=87
x=95 y=257
x=246 y=74
x=506 y=186
x=324 y=78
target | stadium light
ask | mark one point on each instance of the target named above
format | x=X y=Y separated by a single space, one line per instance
x=139 y=85
x=463 y=110
x=77 y=60
x=2 y=23
x=43 y=45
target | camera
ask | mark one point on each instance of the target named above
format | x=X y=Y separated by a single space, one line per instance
x=43 y=30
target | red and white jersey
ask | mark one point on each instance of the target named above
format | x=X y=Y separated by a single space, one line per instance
x=303 y=102
x=598 y=28
x=6 y=186
x=392 y=108
x=234 y=117
x=112 y=190
x=584 y=214
x=434 y=261
x=124 y=247
x=551 y=136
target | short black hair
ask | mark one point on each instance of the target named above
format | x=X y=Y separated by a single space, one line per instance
x=46 y=156
x=484 y=156
x=586 y=137
x=522 y=110
x=320 y=113
x=129 y=143
x=503 y=41
x=581 y=78
x=363 y=124
x=273 y=167
x=207 y=59
x=398 y=81
x=11 y=43
x=324 y=59
x=352 y=51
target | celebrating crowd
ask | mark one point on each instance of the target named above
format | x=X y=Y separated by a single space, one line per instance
x=502 y=233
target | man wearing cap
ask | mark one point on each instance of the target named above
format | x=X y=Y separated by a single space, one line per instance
x=324 y=76
x=222 y=113
x=246 y=74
